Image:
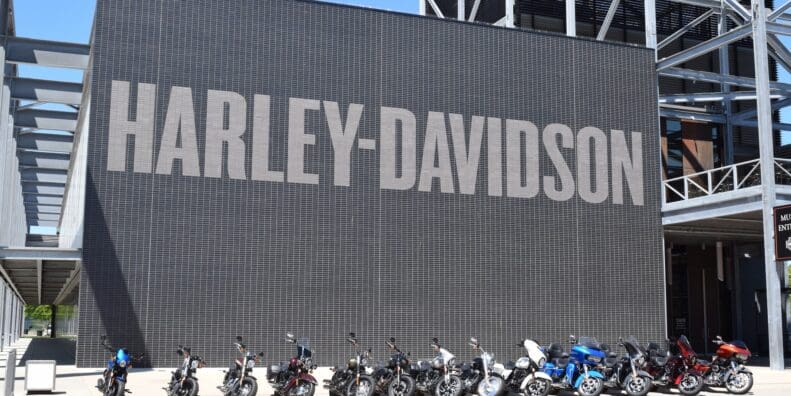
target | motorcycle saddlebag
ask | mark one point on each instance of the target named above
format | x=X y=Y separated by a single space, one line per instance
x=272 y=372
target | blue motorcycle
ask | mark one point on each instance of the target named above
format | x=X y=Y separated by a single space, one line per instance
x=113 y=381
x=578 y=371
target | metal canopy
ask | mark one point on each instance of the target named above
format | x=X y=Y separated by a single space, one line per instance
x=46 y=53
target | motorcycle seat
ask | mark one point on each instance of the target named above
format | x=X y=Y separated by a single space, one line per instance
x=611 y=360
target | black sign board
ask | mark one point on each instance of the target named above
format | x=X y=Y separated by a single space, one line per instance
x=782 y=215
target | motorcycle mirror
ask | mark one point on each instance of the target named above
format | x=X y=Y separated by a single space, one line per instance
x=572 y=339
x=290 y=338
x=260 y=354
x=103 y=338
x=179 y=352
x=238 y=338
x=352 y=335
x=435 y=341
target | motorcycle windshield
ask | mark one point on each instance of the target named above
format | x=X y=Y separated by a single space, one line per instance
x=738 y=344
x=685 y=347
x=589 y=342
x=632 y=347
x=304 y=351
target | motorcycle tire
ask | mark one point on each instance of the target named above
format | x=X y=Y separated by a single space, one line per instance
x=491 y=386
x=303 y=389
x=362 y=387
x=690 y=385
x=452 y=386
x=401 y=386
x=119 y=388
x=538 y=387
x=248 y=387
x=637 y=386
x=739 y=383
x=591 y=386
x=189 y=387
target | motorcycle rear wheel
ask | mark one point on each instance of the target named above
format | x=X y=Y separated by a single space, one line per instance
x=591 y=386
x=637 y=386
x=362 y=387
x=691 y=384
x=739 y=383
x=451 y=386
x=401 y=386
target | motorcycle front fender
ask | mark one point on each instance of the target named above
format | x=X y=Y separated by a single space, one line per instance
x=591 y=373
x=308 y=378
x=531 y=377
x=641 y=373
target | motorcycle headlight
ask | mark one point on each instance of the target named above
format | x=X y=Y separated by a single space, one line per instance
x=250 y=364
x=741 y=357
x=122 y=363
x=195 y=364
x=542 y=362
x=594 y=359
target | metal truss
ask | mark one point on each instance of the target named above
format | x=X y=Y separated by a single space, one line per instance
x=734 y=22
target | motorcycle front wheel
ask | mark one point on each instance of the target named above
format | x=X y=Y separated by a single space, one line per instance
x=401 y=386
x=591 y=386
x=739 y=383
x=450 y=386
x=538 y=387
x=637 y=386
x=691 y=384
x=303 y=389
x=364 y=386
x=248 y=387
x=491 y=386
x=119 y=388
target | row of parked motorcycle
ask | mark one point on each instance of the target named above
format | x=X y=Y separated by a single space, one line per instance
x=589 y=368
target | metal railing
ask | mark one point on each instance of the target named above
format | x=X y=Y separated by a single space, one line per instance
x=721 y=180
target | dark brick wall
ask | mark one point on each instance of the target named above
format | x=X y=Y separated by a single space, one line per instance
x=170 y=259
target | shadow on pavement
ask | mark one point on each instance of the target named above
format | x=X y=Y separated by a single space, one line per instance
x=61 y=350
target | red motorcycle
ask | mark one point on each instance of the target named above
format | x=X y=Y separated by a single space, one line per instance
x=674 y=369
x=294 y=378
x=726 y=368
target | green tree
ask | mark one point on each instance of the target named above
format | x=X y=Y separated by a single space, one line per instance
x=38 y=312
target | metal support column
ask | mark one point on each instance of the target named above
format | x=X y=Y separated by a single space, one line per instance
x=766 y=148
x=649 y=8
x=509 y=14
x=571 y=18
x=725 y=69
x=53 y=321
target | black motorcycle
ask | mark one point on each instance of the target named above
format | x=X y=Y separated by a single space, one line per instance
x=393 y=378
x=239 y=380
x=440 y=376
x=482 y=376
x=113 y=381
x=183 y=381
x=627 y=372
x=355 y=378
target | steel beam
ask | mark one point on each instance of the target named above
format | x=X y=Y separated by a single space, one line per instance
x=717 y=78
x=45 y=142
x=766 y=149
x=71 y=283
x=725 y=69
x=778 y=11
x=436 y=9
x=460 y=11
x=571 y=17
x=44 y=160
x=747 y=114
x=45 y=91
x=46 y=119
x=703 y=48
x=474 y=11
x=28 y=188
x=691 y=115
x=739 y=9
x=40 y=253
x=711 y=97
x=44 y=175
x=680 y=32
x=46 y=53
x=754 y=124
x=779 y=52
x=605 y=26
x=36 y=200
